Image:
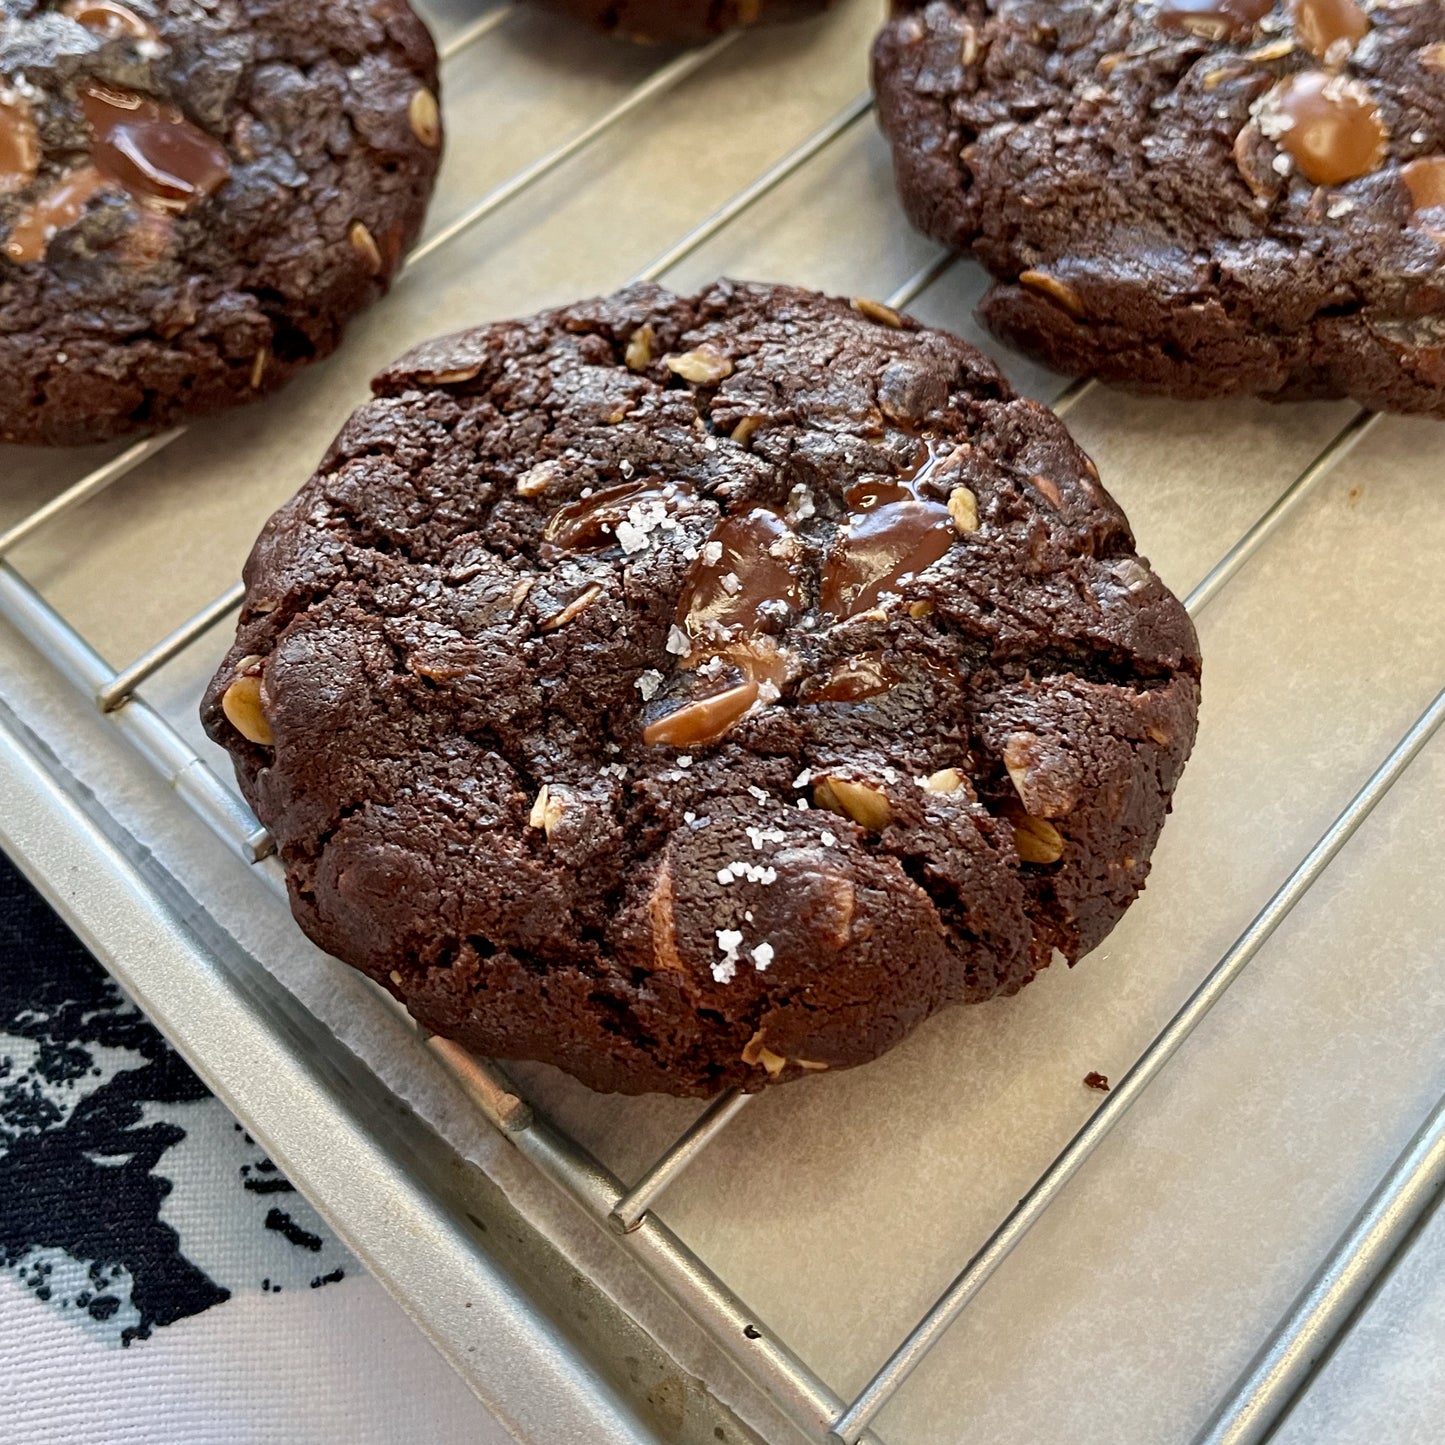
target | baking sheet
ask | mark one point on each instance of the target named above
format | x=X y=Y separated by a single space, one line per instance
x=840 y=1206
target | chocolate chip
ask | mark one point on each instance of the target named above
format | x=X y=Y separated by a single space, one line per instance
x=1329 y=126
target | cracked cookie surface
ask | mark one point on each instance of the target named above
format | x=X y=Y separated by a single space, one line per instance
x=194 y=199
x=682 y=22
x=1189 y=197
x=694 y=692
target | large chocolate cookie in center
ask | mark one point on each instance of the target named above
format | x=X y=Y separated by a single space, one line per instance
x=703 y=691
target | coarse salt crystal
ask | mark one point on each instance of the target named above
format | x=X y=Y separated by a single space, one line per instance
x=648 y=684
x=679 y=644
x=712 y=553
x=763 y=955
x=632 y=538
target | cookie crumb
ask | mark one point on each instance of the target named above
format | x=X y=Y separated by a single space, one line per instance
x=1095 y=1080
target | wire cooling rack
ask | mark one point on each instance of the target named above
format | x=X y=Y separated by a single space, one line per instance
x=1324 y=1308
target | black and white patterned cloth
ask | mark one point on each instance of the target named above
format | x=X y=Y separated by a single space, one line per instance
x=160 y=1279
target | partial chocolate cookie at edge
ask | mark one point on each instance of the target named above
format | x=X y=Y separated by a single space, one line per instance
x=1191 y=197
x=682 y=22
x=195 y=199
x=694 y=692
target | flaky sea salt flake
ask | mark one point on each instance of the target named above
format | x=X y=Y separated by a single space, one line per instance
x=632 y=539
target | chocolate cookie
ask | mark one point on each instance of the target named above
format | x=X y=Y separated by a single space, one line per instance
x=195 y=198
x=1191 y=197
x=682 y=22
x=702 y=691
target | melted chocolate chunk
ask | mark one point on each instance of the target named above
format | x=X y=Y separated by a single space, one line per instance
x=1213 y=19
x=1330 y=126
x=592 y=522
x=747 y=569
x=870 y=495
x=864 y=676
x=53 y=211
x=749 y=561
x=152 y=149
x=878 y=548
x=1323 y=25
x=704 y=719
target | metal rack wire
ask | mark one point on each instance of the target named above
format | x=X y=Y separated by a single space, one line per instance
x=1281 y=1368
